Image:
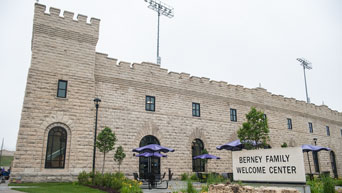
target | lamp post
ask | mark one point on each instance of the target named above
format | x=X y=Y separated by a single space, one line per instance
x=97 y=102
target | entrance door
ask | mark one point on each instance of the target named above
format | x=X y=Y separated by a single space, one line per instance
x=198 y=165
x=333 y=164
x=144 y=162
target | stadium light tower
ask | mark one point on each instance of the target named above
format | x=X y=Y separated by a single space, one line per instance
x=160 y=8
x=306 y=65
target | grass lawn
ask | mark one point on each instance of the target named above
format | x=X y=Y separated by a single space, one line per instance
x=66 y=187
x=6 y=160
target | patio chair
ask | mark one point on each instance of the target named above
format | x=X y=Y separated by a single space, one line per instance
x=136 y=177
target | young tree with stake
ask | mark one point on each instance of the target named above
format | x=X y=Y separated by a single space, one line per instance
x=119 y=155
x=105 y=142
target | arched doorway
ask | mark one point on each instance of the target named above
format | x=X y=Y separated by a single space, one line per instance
x=333 y=164
x=143 y=161
x=198 y=165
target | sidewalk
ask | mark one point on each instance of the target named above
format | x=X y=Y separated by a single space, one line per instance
x=4 y=188
x=174 y=185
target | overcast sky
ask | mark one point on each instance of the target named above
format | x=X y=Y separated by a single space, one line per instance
x=242 y=42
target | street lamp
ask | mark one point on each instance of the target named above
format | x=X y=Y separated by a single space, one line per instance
x=96 y=102
x=315 y=141
x=306 y=65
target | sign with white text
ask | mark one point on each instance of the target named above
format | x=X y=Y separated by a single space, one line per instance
x=269 y=165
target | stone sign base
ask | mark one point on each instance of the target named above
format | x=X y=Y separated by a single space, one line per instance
x=235 y=188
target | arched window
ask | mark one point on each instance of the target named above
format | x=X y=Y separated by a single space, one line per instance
x=198 y=165
x=56 y=148
x=143 y=161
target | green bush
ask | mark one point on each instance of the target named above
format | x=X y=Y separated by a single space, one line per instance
x=328 y=184
x=338 y=182
x=316 y=185
x=115 y=181
x=130 y=186
x=205 y=188
x=194 y=177
x=184 y=176
x=83 y=178
x=98 y=179
x=215 y=179
x=190 y=188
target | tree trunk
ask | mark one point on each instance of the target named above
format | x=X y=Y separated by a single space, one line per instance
x=104 y=160
x=119 y=168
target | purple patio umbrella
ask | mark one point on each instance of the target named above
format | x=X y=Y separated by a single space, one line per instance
x=153 y=148
x=206 y=156
x=149 y=154
x=233 y=146
x=236 y=145
x=306 y=148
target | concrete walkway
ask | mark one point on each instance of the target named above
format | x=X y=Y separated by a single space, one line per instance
x=174 y=185
x=4 y=188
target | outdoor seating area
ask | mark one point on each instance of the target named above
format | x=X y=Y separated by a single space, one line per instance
x=158 y=181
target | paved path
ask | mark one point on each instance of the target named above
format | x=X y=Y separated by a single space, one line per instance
x=5 y=189
x=174 y=185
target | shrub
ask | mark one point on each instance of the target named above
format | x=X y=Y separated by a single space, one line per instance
x=194 y=177
x=316 y=185
x=215 y=179
x=328 y=184
x=338 y=182
x=190 y=188
x=184 y=176
x=83 y=178
x=116 y=181
x=130 y=186
x=205 y=188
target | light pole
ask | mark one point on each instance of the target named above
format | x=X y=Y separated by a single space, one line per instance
x=306 y=65
x=97 y=102
x=160 y=8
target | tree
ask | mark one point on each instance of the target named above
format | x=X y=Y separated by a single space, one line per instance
x=119 y=155
x=254 y=133
x=105 y=142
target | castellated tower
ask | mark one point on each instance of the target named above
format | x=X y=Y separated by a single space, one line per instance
x=63 y=54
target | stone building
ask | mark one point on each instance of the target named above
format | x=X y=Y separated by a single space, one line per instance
x=143 y=103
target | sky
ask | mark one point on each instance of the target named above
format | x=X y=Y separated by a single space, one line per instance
x=242 y=42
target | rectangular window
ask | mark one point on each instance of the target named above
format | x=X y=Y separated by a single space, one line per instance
x=62 y=88
x=310 y=127
x=150 y=103
x=233 y=116
x=196 y=110
x=328 y=131
x=289 y=123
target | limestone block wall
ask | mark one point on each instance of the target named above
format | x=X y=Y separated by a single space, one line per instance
x=65 y=49
x=123 y=86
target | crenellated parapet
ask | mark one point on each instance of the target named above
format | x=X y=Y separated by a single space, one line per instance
x=109 y=67
x=53 y=22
